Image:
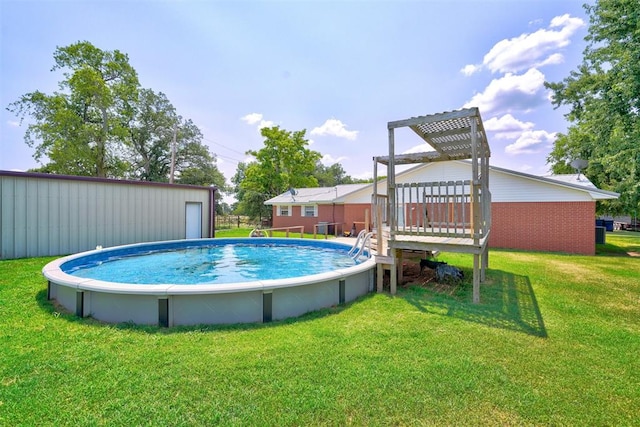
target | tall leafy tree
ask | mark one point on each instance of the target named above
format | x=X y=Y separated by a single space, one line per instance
x=101 y=123
x=603 y=95
x=284 y=162
x=79 y=128
x=194 y=163
x=150 y=134
x=329 y=176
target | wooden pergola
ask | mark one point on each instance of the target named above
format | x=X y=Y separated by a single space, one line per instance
x=443 y=216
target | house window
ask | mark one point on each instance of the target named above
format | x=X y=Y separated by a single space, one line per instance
x=284 y=210
x=309 y=210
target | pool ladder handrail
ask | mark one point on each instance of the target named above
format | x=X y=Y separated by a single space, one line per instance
x=366 y=243
x=355 y=246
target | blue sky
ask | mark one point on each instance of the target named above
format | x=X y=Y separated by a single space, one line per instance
x=340 y=70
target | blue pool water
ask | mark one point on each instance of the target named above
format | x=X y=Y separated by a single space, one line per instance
x=226 y=262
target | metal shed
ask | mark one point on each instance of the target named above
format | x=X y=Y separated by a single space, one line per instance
x=48 y=215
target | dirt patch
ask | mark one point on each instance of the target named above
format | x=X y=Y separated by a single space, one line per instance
x=425 y=278
x=634 y=254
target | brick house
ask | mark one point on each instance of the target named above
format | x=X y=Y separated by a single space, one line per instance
x=539 y=213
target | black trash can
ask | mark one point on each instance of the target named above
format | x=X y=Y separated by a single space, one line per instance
x=600 y=235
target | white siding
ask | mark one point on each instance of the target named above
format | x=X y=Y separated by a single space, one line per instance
x=436 y=172
x=504 y=187
x=512 y=188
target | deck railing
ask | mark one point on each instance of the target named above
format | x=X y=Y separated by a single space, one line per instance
x=441 y=208
x=264 y=232
x=326 y=225
x=379 y=209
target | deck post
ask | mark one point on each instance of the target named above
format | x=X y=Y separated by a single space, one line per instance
x=393 y=271
x=476 y=278
x=398 y=258
x=366 y=220
x=485 y=264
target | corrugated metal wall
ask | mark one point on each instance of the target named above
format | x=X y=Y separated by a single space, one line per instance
x=44 y=215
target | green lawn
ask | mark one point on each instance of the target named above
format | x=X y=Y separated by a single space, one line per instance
x=555 y=341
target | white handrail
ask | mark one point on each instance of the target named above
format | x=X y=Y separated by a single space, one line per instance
x=355 y=245
x=366 y=242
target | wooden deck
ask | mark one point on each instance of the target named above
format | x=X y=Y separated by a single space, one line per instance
x=438 y=243
x=394 y=248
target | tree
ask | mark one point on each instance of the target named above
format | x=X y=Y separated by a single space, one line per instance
x=329 y=176
x=284 y=162
x=150 y=134
x=80 y=128
x=103 y=124
x=604 y=99
x=194 y=163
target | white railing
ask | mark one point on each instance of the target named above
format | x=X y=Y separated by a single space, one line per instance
x=360 y=249
x=439 y=208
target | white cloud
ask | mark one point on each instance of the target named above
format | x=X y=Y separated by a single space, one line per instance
x=507 y=126
x=363 y=175
x=421 y=148
x=265 y=124
x=329 y=160
x=529 y=50
x=533 y=49
x=335 y=127
x=254 y=118
x=553 y=59
x=470 y=69
x=530 y=142
x=512 y=92
x=13 y=123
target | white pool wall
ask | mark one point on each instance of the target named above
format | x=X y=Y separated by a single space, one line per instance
x=173 y=305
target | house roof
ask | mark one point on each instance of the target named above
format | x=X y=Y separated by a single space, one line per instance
x=570 y=181
x=316 y=195
x=342 y=193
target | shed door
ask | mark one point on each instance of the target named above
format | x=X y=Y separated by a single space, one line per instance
x=194 y=220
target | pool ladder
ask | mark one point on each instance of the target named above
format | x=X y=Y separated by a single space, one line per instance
x=363 y=241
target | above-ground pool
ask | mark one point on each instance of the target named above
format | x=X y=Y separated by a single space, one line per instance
x=208 y=281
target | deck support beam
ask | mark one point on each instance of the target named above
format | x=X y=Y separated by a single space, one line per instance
x=476 y=278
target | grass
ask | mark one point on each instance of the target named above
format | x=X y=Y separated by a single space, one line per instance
x=555 y=341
